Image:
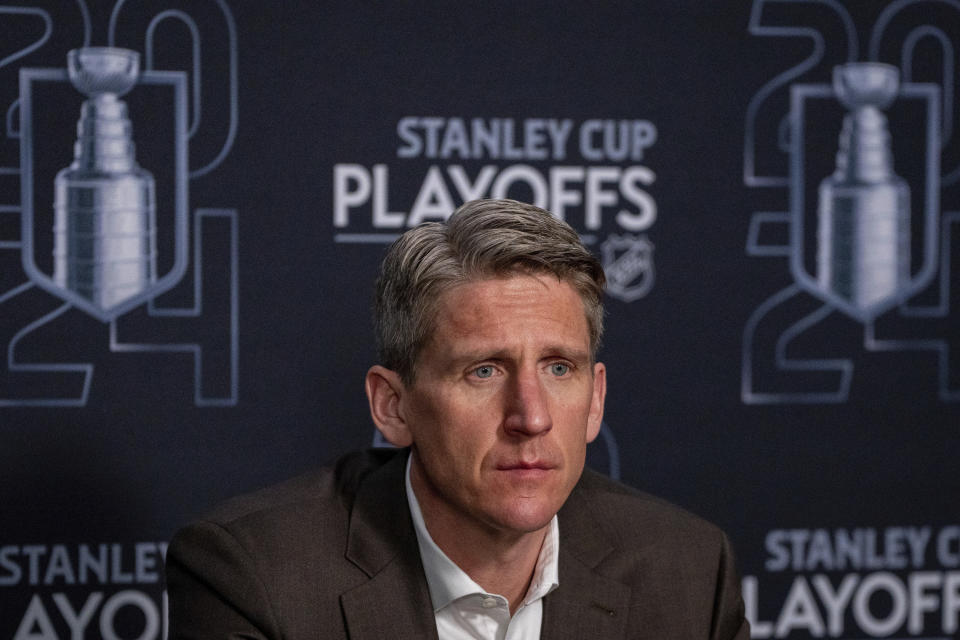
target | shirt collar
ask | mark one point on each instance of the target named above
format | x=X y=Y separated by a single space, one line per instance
x=448 y=582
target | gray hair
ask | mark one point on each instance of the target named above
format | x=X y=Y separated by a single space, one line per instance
x=482 y=239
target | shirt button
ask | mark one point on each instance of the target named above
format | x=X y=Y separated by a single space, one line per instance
x=488 y=602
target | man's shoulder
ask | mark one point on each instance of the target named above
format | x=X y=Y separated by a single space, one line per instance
x=274 y=553
x=677 y=569
x=303 y=501
x=633 y=517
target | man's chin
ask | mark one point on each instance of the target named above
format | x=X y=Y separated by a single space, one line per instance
x=526 y=518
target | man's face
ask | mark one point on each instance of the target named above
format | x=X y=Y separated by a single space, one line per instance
x=504 y=403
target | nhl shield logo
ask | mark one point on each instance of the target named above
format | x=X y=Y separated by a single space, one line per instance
x=855 y=223
x=628 y=264
x=104 y=240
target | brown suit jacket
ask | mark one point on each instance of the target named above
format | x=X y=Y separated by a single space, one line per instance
x=333 y=554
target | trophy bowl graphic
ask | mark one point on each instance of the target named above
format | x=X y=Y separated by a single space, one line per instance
x=104 y=203
x=861 y=84
x=97 y=70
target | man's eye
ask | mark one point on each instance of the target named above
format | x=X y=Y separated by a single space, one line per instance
x=559 y=369
x=483 y=372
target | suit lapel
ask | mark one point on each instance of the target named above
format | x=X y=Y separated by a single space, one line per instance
x=586 y=604
x=395 y=602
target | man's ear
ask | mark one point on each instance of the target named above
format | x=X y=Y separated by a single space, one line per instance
x=595 y=417
x=384 y=389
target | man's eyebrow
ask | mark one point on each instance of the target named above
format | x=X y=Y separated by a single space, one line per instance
x=477 y=355
x=549 y=351
x=575 y=355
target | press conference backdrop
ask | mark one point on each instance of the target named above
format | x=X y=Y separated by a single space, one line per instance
x=191 y=222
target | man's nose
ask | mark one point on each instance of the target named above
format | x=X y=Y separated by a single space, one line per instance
x=528 y=409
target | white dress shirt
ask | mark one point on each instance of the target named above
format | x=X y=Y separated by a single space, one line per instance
x=463 y=610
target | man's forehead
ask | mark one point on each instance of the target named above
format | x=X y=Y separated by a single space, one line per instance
x=487 y=306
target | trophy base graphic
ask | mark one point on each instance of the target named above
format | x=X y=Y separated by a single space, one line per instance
x=104 y=232
x=863 y=241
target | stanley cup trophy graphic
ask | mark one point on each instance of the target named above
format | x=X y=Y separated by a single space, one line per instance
x=864 y=211
x=104 y=203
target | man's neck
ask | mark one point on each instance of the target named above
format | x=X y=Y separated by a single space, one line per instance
x=501 y=562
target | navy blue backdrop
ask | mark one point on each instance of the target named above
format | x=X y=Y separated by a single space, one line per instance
x=687 y=142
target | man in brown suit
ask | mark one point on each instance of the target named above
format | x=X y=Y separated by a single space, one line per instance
x=483 y=524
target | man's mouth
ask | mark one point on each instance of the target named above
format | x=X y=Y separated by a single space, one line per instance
x=526 y=466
